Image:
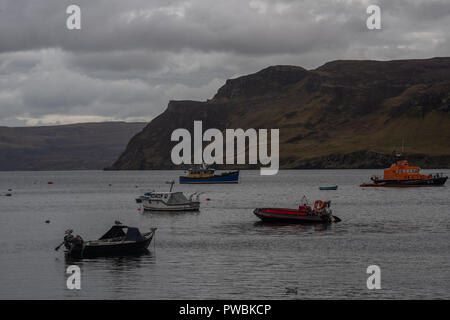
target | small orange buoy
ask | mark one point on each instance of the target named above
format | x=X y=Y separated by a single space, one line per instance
x=208 y=199
x=47 y=221
x=50 y=182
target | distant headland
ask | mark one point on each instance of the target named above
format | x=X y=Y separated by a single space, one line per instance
x=344 y=114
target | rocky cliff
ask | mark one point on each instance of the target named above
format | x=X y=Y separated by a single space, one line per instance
x=344 y=114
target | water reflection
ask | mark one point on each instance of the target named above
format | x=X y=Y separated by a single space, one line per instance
x=303 y=227
x=168 y=213
x=118 y=275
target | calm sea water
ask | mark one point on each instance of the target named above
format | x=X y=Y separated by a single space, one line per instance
x=223 y=251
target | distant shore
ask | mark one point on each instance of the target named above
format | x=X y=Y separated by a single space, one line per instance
x=355 y=160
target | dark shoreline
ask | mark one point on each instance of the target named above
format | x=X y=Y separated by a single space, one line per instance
x=356 y=160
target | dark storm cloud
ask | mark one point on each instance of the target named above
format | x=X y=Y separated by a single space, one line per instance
x=131 y=57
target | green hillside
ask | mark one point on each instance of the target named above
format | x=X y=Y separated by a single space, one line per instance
x=344 y=114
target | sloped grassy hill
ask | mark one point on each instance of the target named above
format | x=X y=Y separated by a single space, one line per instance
x=344 y=114
x=65 y=147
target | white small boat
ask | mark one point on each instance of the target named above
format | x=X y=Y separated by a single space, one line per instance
x=169 y=201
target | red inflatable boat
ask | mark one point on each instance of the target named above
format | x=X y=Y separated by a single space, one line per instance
x=320 y=213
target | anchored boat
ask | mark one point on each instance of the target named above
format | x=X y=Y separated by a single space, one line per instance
x=320 y=213
x=169 y=201
x=401 y=174
x=119 y=240
x=207 y=176
x=329 y=188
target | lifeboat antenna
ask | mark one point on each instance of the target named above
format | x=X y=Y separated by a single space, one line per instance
x=398 y=155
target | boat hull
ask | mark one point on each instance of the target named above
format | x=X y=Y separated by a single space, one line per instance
x=119 y=249
x=229 y=177
x=408 y=183
x=161 y=206
x=278 y=215
x=329 y=188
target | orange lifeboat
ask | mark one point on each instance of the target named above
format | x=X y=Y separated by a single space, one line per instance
x=401 y=174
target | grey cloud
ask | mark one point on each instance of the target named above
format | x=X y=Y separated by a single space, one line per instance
x=118 y=61
x=230 y=26
x=132 y=57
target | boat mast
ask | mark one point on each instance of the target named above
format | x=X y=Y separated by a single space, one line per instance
x=403 y=145
x=171 y=184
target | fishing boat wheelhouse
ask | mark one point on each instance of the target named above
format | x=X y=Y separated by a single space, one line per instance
x=401 y=174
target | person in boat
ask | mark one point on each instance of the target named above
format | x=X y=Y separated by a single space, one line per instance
x=70 y=241
x=68 y=238
x=320 y=207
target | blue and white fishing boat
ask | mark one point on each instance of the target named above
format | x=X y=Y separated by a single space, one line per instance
x=207 y=176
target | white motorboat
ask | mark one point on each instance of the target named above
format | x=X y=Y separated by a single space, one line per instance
x=169 y=201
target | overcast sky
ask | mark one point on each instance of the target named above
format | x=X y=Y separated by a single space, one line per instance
x=131 y=57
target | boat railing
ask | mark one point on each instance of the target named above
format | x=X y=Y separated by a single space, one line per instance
x=438 y=175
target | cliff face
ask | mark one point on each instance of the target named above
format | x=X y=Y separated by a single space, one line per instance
x=348 y=114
